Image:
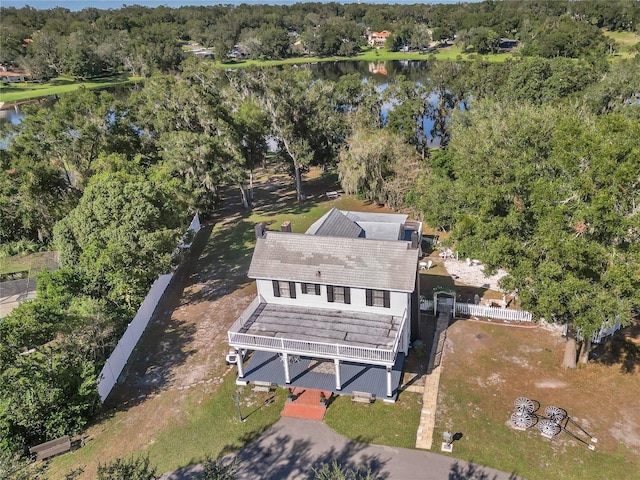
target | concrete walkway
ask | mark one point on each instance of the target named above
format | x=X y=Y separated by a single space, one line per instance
x=292 y=448
x=424 y=436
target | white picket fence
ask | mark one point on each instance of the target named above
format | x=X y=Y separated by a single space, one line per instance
x=606 y=329
x=493 y=312
x=426 y=305
x=486 y=312
x=120 y=355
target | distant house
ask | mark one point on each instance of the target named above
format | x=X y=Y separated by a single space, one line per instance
x=507 y=44
x=10 y=75
x=377 y=39
x=335 y=306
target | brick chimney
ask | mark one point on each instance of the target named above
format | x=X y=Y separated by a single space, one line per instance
x=286 y=227
x=414 y=240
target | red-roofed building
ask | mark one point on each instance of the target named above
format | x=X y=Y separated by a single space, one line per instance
x=377 y=39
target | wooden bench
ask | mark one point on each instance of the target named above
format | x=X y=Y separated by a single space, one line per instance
x=262 y=386
x=363 y=397
x=51 y=448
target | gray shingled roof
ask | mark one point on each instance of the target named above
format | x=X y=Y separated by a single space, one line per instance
x=381 y=230
x=398 y=218
x=335 y=224
x=354 y=262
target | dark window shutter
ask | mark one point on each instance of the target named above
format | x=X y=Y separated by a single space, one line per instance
x=347 y=295
x=386 y=299
x=330 y=293
x=317 y=285
x=369 y=297
x=303 y=287
x=276 y=288
x=292 y=289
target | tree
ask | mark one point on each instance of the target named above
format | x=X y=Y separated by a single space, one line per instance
x=41 y=60
x=335 y=471
x=15 y=467
x=189 y=123
x=408 y=115
x=127 y=469
x=565 y=37
x=121 y=235
x=377 y=165
x=252 y=126
x=304 y=121
x=219 y=470
x=533 y=197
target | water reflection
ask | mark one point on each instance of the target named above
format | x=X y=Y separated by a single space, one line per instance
x=11 y=115
x=378 y=72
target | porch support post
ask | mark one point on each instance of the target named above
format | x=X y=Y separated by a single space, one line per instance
x=239 y=361
x=389 y=388
x=338 y=379
x=435 y=303
x=285 y=362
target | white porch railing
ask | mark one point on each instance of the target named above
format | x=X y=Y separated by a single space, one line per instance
x=375 y=356
x=426 y=305
x=317 y=349
x=493 y=312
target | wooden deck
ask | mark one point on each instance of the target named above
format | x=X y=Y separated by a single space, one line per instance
x=324 y=325
x=311 y=373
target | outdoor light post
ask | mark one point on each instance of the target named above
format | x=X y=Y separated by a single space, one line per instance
x=236 y=398
x=447 y=445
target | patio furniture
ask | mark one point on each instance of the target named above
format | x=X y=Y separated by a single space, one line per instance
x=363 y=397
x=262 y=386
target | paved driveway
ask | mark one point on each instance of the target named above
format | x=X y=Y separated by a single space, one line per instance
x=291 y=448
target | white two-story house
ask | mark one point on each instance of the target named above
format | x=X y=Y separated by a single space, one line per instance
x=335 y=305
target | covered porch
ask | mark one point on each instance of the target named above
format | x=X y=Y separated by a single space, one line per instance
x=326 y=349
x=319 y=374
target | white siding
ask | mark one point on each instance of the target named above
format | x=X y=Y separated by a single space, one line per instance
x=399 y=301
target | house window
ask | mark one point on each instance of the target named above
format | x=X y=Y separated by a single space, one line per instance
x=378 y=298
x=338 y=294
x=284 y=289
x=310 y=288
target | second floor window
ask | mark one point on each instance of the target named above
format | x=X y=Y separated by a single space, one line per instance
x=284 y=289
x=378 y=298
x=310 y=288
x=338 y=294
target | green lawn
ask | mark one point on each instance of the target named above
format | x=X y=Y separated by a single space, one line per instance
x=208 y=426
x=34 y=263
x=626 y=40
x=371 y=55
x=26 y=90
x=395 y=425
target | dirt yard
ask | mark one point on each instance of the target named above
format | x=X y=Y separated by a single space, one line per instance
x=487 y=366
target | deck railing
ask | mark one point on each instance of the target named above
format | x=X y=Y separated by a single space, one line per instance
x=291 y=346
x=318 y=349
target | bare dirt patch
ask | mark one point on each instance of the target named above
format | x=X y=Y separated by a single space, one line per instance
x=486 y=367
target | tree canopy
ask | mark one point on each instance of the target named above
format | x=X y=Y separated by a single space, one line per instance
x=551 y=195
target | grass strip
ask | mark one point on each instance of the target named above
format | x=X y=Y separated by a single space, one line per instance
x=16 y=92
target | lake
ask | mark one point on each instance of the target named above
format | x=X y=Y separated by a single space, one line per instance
x=377 y=72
